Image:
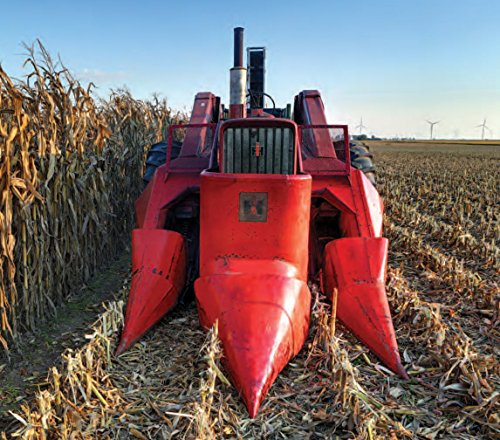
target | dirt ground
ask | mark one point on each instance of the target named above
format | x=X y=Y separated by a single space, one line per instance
x=24 y=370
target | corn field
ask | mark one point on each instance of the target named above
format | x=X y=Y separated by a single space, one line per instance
x=70 y=170
x=444 y=265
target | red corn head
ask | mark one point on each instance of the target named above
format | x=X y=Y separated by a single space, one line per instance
x=263 y=321
x=158 y=276
x=254 y=233
x=357 y=268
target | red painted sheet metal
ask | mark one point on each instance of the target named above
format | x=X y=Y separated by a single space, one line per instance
x=284 y=234
x=368 y=206
x=356 y=198
x=336 y=190
x=356 y=269
x=253 y=272
x=320 y=156
x=151 y=207
x=313 y=112
x=196 y=146
x=197 y=129
x=158 y=276
x=263 y=321
x=372 y=204
x=259 y=113
x=237 y=111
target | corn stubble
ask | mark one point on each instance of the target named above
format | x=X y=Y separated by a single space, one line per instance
x=443 y=289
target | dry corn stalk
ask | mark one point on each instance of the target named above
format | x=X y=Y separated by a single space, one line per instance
x=70 y=169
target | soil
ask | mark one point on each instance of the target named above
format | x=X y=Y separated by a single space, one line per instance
x=23 y=371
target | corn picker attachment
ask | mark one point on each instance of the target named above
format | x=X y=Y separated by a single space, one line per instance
x=249 y=205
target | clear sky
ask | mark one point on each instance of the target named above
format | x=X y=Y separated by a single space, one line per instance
x=393 y=62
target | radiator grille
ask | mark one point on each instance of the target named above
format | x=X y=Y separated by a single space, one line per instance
x=258 y=150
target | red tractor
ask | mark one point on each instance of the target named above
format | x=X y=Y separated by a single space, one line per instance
x=250 y=205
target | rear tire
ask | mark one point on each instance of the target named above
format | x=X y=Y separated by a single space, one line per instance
x=362 y=159
x=157 y=156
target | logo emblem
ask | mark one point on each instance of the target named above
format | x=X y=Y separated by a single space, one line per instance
x=253 y=207
x=257 y=150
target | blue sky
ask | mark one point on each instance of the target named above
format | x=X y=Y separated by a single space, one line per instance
x=395 y=63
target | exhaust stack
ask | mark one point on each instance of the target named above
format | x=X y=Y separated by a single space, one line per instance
x=237 y=79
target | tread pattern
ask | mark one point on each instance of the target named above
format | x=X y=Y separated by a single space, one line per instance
x=157 y=156
x=362 y=159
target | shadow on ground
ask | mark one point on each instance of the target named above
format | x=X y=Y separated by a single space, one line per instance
x=24 y=370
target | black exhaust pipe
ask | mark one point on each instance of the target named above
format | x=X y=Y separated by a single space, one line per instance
x=238 y=47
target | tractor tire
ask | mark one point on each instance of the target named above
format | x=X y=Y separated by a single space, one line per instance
x=362 y=159
x=157 y=156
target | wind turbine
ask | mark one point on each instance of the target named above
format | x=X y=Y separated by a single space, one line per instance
x=432 y=124
x=483 y=126
x=361 y=126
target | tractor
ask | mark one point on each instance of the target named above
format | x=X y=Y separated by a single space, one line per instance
x=247 y=205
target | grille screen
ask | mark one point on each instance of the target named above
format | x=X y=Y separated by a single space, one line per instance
x=258 y=150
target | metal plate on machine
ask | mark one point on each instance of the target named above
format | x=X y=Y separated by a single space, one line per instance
x=253 y=207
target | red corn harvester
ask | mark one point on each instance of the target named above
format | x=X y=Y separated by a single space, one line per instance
x=247 y=205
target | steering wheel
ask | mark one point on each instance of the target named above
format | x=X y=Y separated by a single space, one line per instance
x=253 y=94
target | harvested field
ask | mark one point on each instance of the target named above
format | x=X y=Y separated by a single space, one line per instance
x=435 y=142
x=442 y=207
